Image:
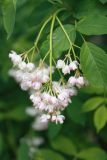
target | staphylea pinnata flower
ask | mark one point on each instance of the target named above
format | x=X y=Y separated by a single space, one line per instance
x=48 y=95
x=49 y=100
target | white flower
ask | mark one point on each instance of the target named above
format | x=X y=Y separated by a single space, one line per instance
x=45 y=78
x=49 y=108
x=18 y=76
x=25 y=85
x=12 y=73
x=45 y=71
x=30 y=67
x=80 y=81
x=58 y=119
x=60 y=64
x=48 y=100
x=73 y=65
x=66 y=69
x=22 y=65
x=72 y=92
x=26 y=76
x=54 y=100
x=37 y=141
x=36 y=85
x=45 y=117
x=31 y=111
x=41 y=106
x=46 y=96
x=56 y=86
x=35 y=99
x=64 y=103
x=38 y=74
x=63 y=95
x=72 y=80
x=38 y=125
x=16 y=59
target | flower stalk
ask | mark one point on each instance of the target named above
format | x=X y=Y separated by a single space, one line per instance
x=51 y=46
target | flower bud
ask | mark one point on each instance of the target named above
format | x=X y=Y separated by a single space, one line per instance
x=80 y=82
x=72 y=80
x=66 y=69
x=16 y=59
x=30 y=67
x=60 y=64
x=22 y=65
x=73 y=65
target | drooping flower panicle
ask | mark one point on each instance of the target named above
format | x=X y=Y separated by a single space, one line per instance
x=52 y=99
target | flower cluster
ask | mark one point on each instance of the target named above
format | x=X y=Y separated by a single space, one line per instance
x=74 y=81
x=53 y=102
x=49 y=97
x=66 y=68
x=27 y=74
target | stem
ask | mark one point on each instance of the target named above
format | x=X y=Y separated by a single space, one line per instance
x=51 y=46
x=32 y=54
x=76 y=46
x=41 y=30
x=44 y=25
x=45 y=56
x=67 y=37
x=51 y=41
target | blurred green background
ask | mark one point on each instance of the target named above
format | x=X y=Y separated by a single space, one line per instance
x=78 y=138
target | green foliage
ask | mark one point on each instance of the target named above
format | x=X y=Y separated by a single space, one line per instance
x=54 y=130
x=84 y=8
x=60 y=39
x=69 y=147
x=93 y=63
x=92 y=103
x=74 y=111
x=76 y=138
x=93 y=153
x=100 y=117
x=46 y=154
x=8 y=11
x=23 y=152
x=93 y=25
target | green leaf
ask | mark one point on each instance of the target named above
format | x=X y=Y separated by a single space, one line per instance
x=23 y=152
x=9 y=11
x=44 y=49
x=74 y=111
x=92 y=103
x=94 y=64
x=93 y=153
x=53 y=130
x=69 y=147
x=47 y=154
x=100 y=118
x=60 y=42
x=103 y=1
x=86 y=8
x=93 y=25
